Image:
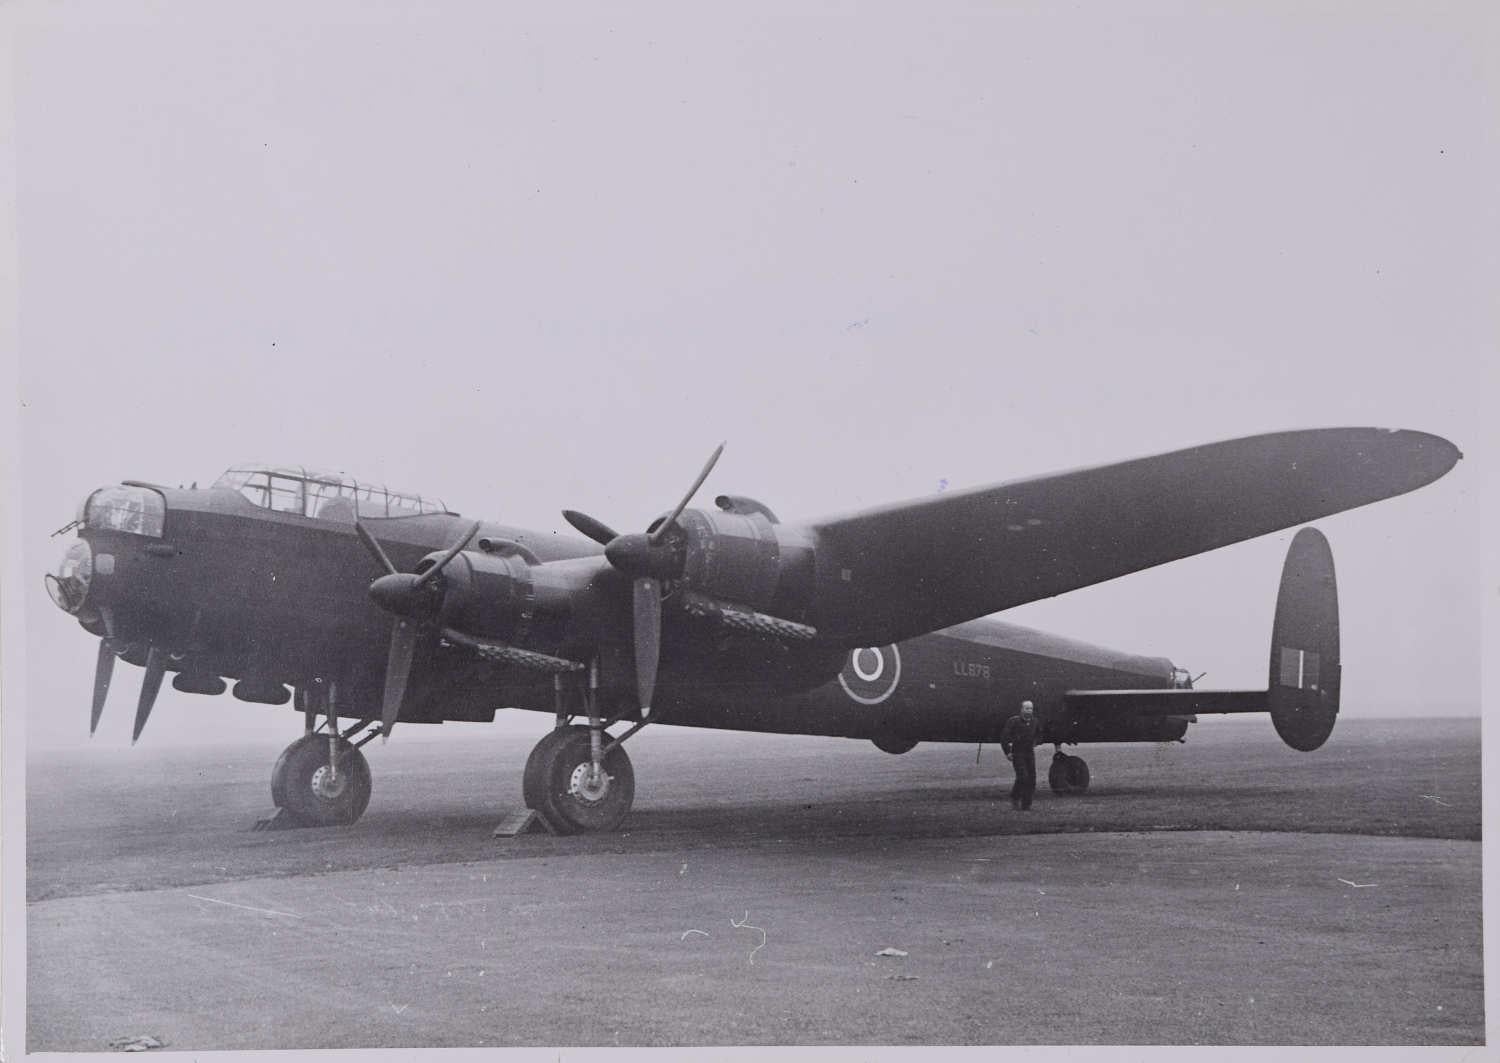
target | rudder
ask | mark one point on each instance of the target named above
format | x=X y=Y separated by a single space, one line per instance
x=1305 y=667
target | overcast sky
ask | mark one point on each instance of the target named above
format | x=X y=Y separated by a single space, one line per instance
x=526 y=260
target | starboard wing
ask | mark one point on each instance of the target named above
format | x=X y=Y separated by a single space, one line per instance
x=902 y=570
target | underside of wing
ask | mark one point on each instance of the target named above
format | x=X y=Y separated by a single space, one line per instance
x=903 y=570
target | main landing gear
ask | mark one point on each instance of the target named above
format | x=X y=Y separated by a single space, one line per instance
x=322 y=779
x=1068 y=774
x=578 y=779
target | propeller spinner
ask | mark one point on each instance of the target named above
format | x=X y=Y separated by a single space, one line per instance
x=650 y=560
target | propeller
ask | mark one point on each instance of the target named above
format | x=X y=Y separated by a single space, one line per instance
x=649 y=560
x=416 y=599
x=397 y=672
x=647 y=625
x=156 y=667
x=104 y=670
x=708 y=467
x=596 y=530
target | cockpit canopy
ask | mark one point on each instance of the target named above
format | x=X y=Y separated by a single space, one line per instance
x=323 y=495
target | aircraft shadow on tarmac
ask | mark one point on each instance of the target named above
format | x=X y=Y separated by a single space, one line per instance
x=975 y=810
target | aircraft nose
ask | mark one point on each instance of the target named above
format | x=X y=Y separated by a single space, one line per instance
x=69 y=585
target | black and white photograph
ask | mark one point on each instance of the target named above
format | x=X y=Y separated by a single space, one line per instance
x=824 y=528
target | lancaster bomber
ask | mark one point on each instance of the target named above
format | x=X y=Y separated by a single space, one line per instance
x=365 y=607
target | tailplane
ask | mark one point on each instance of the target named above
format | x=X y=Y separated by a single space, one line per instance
x=1302 y=693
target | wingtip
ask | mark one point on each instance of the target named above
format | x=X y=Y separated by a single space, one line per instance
x=1439 y=453
x=1425 y=456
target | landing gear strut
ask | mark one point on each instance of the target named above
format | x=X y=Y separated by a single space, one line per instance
x=322 y=779
x=578 y=779
x=1068 y=774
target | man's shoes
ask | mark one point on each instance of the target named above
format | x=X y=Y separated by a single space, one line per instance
x=1015 y=806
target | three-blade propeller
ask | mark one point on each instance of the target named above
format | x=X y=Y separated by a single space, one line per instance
x=649 y=559
x=416 y=599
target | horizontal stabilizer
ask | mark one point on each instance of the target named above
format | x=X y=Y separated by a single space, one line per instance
x=1170 y=702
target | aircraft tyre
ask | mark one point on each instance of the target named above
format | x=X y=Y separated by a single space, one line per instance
x=557 y=785
x=532 y=785
x=1068 y=774
x=893 y=745
x=301 y=785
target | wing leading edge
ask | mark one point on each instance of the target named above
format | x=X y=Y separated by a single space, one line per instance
x=903 y=570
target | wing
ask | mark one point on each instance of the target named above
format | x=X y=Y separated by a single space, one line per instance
x=902 y=570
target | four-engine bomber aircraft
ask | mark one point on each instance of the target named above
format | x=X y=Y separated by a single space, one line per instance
x=868 y=625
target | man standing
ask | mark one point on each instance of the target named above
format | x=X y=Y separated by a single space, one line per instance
x=1018 y=742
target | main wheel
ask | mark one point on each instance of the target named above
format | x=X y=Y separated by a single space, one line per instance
x=558 y=784
x=533 y=784
x=312 y=795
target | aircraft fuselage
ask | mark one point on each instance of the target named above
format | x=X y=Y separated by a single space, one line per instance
x=231 y=589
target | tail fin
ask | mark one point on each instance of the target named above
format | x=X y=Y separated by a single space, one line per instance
x=1305 y=670
x=1302 y=693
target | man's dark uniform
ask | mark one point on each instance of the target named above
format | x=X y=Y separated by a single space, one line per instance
x=1018 y=742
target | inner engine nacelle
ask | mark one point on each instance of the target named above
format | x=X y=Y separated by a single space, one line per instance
x=745 y=558
x=506 y=598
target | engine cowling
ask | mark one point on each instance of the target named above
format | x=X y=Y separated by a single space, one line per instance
x=507 y=598
x=746 y=559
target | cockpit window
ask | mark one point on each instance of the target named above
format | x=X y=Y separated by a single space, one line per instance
x=137 y=510
x=286 y=494
x=332 y=501
x=323 y=496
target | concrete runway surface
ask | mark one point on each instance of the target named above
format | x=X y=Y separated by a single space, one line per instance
x=1225 y=891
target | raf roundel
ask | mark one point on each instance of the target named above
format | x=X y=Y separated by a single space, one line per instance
x=871 y=673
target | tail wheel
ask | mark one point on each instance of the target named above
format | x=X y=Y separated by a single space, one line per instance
x=1059 y=776
x=560 y=786
x=314 y=796
x=1068 y=775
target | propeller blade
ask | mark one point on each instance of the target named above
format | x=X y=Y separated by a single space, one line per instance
x=104 y=668
x=433 y=572
x=666 y=525
x=397 y=671
x=156 y=667
x=374 y=548
x=647 y=638
x=596 y=530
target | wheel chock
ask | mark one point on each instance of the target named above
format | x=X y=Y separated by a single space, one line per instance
x=278 y=820
x=524 y=821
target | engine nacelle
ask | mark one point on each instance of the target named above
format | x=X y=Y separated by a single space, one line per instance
x=506 y=598
x=745 y=558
